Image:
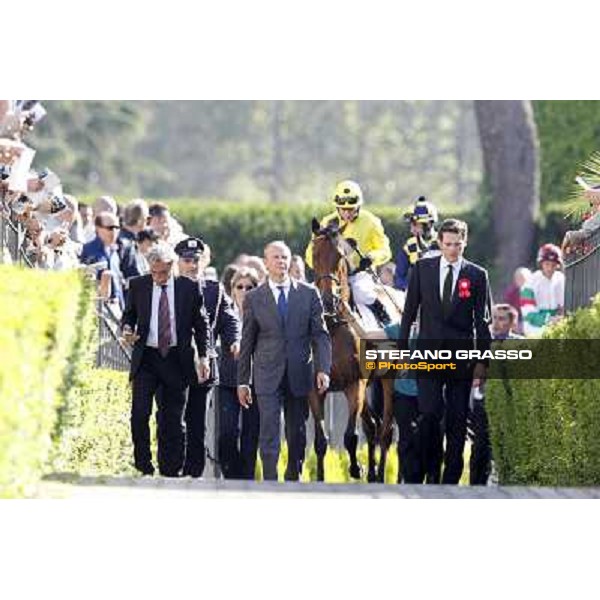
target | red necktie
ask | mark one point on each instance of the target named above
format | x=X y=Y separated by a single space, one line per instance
x=164 y=323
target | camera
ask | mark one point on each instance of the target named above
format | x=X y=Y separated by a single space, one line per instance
x=31 y=112
x=57 y=203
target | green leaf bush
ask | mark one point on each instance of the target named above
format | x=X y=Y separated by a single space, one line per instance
x=547 y=431
x=232 y=229
x=40 y=345
x=95 y=438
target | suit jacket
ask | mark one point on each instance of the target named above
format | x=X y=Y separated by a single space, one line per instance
x=190 y=320
x=268 y=349
x=469 y=318
x=224 y=324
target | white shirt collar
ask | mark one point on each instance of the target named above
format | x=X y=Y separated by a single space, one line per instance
x=286 y=283
x=456 y=266
x=170 y=283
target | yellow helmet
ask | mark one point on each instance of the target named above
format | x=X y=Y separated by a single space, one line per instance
x=347 y=194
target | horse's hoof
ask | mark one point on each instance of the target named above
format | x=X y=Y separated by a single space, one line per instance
x=381 y=476
x=320 y=474
x=372 y=477
x=355 y=471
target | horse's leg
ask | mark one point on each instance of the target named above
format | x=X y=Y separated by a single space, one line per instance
x=386 y=429
x=370 y=426
x=317 y=407
x=356 y=401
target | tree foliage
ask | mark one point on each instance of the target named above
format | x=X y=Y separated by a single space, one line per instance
x=569 y=132
x=280 y=151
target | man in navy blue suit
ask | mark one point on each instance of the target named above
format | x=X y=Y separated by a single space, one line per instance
x=454 y=300
x=104 y=248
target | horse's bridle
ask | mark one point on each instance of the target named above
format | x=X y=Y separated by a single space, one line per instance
x=334 y=315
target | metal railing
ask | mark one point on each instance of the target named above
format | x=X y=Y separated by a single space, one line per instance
x=112 y=353
x=12 y=240
x=582 y=273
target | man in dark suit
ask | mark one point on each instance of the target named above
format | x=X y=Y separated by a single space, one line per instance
x=453 y=296
x=162 y=314
x=223 y=324
x=283 y=321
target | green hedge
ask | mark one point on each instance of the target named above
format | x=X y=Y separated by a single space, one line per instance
x=232 y=229
x=95 y=437
x=547 y=432
x=41 y=346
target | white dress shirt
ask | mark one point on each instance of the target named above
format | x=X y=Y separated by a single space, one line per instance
x=456 y=267
x=286 y=283
x=153 y=332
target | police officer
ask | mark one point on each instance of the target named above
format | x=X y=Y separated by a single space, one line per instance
x=422 y=241
x=224 y=326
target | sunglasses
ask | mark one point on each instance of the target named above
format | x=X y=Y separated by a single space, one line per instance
x=244 y=287
x=351 y=201
x=111 y=227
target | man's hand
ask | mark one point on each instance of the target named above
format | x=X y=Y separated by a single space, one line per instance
x=322 y=382
x=244 y=395
x=129 y=337
x=203 y=369
x=479 y=374
x=235 y=350
x=57 y=238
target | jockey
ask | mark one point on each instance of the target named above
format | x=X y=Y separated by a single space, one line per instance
x=422 y=242
x=543 y=294
x=371 y=241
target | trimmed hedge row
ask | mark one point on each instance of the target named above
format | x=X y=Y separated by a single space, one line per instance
x=41 y=347
x=232 y=229
x=547 y=432
x=95 y=437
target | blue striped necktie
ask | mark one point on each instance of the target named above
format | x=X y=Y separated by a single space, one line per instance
x=282 y=304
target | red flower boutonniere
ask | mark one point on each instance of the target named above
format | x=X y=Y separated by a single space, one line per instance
x=464 y=288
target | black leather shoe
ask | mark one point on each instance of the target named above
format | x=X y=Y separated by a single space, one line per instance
x=145 y=470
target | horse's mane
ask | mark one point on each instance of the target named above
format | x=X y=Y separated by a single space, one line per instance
x=342 y=275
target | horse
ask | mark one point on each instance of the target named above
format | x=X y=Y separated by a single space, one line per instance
x=331 y=253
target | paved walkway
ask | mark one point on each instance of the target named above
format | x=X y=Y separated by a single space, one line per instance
x=65 y=486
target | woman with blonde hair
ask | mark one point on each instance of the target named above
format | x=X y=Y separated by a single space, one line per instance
x=237 y=445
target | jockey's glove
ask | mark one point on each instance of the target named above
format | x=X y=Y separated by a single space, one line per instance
x=365 y=263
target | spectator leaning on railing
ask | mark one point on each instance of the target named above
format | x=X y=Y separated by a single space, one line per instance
x=103 y=252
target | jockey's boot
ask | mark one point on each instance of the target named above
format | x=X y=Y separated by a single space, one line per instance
x=380 y=312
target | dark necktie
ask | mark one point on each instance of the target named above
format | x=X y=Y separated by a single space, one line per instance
x=447 y=293
x=282 y=304
x=164 y=323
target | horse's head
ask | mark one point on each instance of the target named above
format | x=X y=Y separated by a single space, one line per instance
x=330 y=251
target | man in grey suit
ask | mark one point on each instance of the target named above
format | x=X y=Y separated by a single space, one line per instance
x=283 y=321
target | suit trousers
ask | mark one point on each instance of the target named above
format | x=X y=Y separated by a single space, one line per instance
x=443 y=408
x=237 y=446
x=480 y=464
x=157 y=372
x=406 y=413
x=295 y=409
x=195 y=430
